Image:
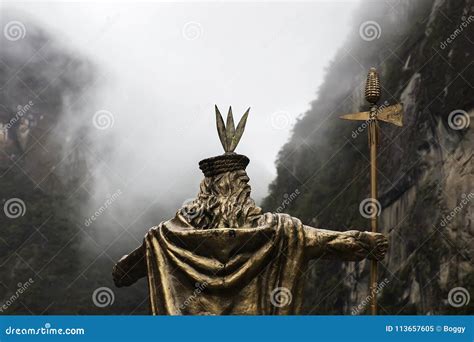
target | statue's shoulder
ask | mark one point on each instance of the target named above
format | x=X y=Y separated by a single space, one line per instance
x=174 y=224
x=153 y=231
x=281 y=219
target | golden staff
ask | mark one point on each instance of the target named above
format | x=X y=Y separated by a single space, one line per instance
x=391 y=114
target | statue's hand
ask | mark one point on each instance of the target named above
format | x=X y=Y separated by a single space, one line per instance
x=379 y=246
x=119 y=273
x=130 y=268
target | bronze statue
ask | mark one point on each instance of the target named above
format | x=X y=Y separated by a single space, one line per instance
x=222 y=255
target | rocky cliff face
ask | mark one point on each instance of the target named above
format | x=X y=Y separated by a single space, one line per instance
x=424 y=55
x=52 y=260
x=423 y=52
x=43 y=89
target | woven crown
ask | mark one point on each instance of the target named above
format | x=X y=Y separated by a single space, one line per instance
x=229 y=137
x=224 y=163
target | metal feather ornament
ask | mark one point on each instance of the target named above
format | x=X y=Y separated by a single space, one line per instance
x=228 y=134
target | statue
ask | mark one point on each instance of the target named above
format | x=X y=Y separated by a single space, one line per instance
x=222 y=255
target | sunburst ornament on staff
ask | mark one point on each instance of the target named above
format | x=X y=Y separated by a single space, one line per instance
x=391 y=114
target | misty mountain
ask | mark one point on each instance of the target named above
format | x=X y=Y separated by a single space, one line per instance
x=423 y=52
x=76 y=197
x=46 y=176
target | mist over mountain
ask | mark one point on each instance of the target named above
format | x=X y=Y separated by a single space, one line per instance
x=45 y=86
x=103 y=126
x=100 y=139
x=75 y=196
x=423 y=52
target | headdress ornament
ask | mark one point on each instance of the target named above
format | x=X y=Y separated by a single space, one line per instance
x=229 y=136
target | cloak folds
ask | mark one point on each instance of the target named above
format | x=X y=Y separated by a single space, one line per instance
x=242 y=271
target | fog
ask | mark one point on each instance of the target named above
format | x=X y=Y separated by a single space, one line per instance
x=161 y=67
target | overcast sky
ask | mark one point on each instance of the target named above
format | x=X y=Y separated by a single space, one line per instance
x=164 y=66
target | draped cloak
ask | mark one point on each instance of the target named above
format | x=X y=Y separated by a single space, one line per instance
x=220 y=271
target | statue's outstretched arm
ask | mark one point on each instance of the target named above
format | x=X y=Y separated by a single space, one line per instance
x=351 y=245
x=130 y=268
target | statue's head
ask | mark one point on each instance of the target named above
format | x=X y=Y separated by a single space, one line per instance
x=224 y=195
